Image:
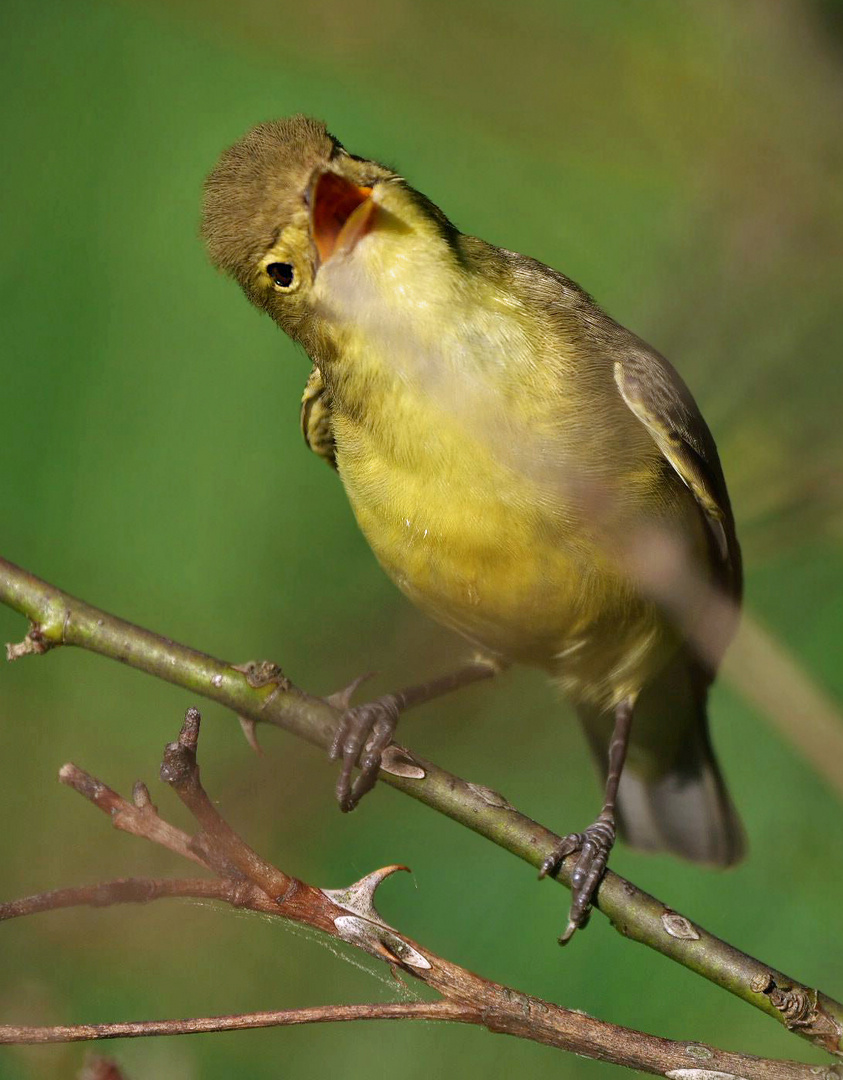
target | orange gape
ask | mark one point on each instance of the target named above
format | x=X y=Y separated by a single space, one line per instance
x=334 y=201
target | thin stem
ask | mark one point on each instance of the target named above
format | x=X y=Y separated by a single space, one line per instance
x=121 y=891
x=139 y=818
x=62 y=1033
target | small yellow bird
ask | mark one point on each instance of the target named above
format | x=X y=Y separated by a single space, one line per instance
x=505 y=446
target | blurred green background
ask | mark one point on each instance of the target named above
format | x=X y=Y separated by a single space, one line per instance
x=684 y=162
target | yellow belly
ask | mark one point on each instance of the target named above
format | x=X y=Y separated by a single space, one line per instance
x=486 y=549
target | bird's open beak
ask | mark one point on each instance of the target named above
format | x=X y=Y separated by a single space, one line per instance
x=341 y=213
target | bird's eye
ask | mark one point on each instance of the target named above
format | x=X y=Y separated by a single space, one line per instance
x=282 y=274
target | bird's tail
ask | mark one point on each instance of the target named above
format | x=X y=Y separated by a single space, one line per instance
x=672 y=796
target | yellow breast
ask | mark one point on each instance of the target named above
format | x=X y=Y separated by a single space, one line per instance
x=487 y=469
x=503 y=553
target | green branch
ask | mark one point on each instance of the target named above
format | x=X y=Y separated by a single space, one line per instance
x=261 y=694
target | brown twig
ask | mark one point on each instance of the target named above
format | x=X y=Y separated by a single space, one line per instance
x=350 y=915
x=417 y=1010
x=139 y=817
x=121 y=891
x=261 y=694
x=180 y=770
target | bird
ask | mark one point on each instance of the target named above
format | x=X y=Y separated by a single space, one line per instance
x=520 y=464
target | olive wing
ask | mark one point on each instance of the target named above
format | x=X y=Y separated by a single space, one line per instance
x=659 y=398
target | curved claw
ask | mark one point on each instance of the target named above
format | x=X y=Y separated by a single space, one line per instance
x=363 y=734
x=594 y=846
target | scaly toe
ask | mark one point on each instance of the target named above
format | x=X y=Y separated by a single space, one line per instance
x=567 y=846
x=362 y=736
x=594 y=846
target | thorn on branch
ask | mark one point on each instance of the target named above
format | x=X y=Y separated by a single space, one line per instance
x=341 y=699
x=365 y=928
x=249 y=729
x=359 y=897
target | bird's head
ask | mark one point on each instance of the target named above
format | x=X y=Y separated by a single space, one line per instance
x=316 y=236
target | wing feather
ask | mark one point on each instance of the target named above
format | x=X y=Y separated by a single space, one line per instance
x=659 y=398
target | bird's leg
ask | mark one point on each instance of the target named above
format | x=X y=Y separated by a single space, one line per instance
x=365 y=731
x=598 y=839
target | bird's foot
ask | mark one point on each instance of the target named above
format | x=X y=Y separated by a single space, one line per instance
x=594 y=846
x=364 y=732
